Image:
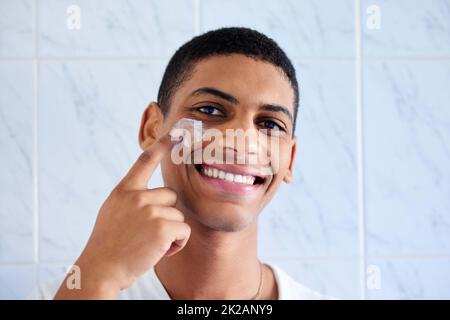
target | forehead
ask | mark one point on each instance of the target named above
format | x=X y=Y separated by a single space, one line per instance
x=251 y=81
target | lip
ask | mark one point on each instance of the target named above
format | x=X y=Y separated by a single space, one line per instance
x=228 y=186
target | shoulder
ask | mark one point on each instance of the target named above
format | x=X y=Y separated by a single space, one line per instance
x=290 y=289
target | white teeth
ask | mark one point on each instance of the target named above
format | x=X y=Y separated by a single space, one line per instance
x=228 y=176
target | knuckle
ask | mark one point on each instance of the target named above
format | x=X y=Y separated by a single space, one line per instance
x=171 y=193
x=161 y=236
x=138 y=199
x=162 y=247
x=160 y=226
x=151 y=213
x=179 y=214
x=187 y=228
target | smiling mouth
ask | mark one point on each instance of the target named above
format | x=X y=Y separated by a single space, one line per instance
x=218 y=174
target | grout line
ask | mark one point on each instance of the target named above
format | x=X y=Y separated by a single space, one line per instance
x=417 y=257
x=36 y=219
x=164 y=59
x=408 y=58
x=373 y=59
x=27 y=264
x=36 y=163
x=411 y=257
x=311 y=258
x=104 y=59
x=88 y=59
x=360 y=149
x=35 y=140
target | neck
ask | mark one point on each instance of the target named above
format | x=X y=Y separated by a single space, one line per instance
x=224 y=265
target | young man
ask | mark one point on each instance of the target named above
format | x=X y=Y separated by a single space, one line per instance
x=196 y=238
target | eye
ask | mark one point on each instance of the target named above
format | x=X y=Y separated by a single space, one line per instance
x=271 y=125
x=211 y=110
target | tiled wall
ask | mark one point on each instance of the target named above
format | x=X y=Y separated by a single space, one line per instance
x=371 y=199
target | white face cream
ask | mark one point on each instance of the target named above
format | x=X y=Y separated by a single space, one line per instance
x=191 y=130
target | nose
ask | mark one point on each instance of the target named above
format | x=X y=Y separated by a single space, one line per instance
x=243 y=139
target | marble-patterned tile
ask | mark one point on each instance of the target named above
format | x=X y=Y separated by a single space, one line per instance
x=316 y=214
x=406 y=28
x=16 y=28
x=16 y=162
x=407 y=156
x=50 y=273
x=17 y=281
x=138 y=28
x=49 y=279
x=336 y=278
x=411 y=279
x=89 y=116
x=304 y=28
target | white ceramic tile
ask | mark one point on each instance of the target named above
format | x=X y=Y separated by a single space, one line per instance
x=407 y=28
x=16 y=28
x=139 y=28
x=407 y=152
x=17 y=281
x=337 y=279
x=411 y=279
x=16 y=162
x=304 y=28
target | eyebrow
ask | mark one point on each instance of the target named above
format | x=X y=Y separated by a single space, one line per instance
x=234 y=100
x=276 y=108
x=217 y=93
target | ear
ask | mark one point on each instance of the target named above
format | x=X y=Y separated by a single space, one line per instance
x=151 y=123
x=288 y=177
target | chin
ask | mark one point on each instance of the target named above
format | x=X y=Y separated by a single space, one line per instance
x=225 y=219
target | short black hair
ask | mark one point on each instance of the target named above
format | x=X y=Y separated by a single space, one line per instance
x=224 y=41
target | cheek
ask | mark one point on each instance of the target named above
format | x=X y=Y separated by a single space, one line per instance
x=170 y=172
x=280 y=158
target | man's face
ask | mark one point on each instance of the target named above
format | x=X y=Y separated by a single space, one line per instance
x=246 y=94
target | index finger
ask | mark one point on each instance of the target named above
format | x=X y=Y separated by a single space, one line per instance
x=141 y=171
